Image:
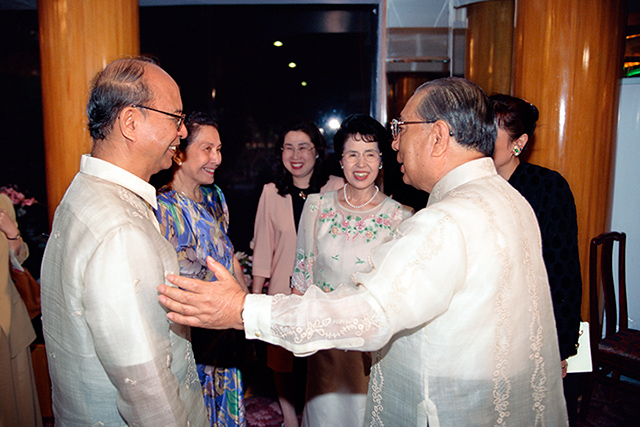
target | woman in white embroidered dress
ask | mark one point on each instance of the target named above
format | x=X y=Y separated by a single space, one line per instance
x=337 y=231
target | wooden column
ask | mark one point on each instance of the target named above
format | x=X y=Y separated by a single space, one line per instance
x=567 y=61
x=489 y=43
x=77 y=39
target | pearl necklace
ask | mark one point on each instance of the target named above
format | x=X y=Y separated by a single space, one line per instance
x=344 y=191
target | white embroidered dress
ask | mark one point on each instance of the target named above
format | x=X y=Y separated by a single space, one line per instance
x=334 y=242
x=457 y=305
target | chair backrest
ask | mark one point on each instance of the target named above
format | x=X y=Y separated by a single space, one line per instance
x=602 y=286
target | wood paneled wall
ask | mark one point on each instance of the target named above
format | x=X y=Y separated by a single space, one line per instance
x=567 y=60
x=489 y=44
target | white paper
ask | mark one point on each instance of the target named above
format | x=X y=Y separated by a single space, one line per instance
x=581 y=362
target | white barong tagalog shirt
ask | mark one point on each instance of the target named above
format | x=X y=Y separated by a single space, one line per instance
x=457 y=305
x=114 y=358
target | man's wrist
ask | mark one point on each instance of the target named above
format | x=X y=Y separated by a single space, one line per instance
x=241 y=324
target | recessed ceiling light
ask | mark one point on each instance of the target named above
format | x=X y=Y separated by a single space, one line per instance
x=334 y=124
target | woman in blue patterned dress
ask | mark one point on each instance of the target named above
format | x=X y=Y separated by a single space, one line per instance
x=337 y=231
x=195 y=219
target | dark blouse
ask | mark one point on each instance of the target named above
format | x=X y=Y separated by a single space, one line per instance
x=549 y=195
x=297 y=201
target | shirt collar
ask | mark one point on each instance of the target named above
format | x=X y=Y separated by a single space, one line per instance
x=112 y=173
x=475 y=169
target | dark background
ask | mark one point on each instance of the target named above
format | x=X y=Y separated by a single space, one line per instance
x=228 y=49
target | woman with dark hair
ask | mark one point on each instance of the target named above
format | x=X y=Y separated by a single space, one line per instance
x=193 y=216
x=337 y=232
x=549 y=195
x=301 y=153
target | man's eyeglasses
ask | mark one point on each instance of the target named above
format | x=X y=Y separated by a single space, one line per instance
x=395 y=126
x=179 y=117
x=370 y=156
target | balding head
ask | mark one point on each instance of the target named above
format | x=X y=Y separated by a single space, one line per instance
x=122 y=83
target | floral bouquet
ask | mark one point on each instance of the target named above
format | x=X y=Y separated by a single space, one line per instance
x=33 y=223
x=19 y=200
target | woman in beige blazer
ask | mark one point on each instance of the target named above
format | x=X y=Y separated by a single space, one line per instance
x=18 y=395
x=301 y=153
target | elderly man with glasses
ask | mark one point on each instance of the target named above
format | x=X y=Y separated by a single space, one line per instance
x=457 y=307
x=114 y=359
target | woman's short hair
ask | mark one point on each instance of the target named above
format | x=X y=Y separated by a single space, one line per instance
x=193 y=123
x=366 y=126
x=514 y=115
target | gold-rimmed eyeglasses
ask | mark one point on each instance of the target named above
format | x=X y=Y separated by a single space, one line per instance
x=395 y=126
x=179 y=117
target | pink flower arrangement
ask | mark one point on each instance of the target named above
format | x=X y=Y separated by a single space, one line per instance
x=17 y=198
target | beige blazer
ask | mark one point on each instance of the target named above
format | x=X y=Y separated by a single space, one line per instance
x=14 y=318
x=274 y=238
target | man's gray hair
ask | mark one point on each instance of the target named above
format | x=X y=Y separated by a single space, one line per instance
x=464 y=106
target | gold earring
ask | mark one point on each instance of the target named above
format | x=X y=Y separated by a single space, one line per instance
x=177 y=160
x=516 y=151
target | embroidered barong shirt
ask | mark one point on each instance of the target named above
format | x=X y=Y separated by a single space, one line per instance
x=457 y=306
x=114 y=358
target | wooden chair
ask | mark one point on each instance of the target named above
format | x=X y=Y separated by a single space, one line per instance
x=618 y=353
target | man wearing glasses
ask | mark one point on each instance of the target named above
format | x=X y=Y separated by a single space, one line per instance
x=114 y=359
x=457 y=307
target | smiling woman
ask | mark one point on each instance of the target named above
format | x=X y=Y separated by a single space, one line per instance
x=194 y=217
x=338 y=229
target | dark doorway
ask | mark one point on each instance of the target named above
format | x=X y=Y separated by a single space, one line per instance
x=230 y=50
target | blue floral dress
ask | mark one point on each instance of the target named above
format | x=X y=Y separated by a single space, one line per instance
x=197 y=230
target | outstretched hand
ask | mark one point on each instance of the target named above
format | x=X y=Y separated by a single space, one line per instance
x=203 y=304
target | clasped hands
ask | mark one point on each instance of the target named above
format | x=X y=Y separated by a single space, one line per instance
x=211 y=305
